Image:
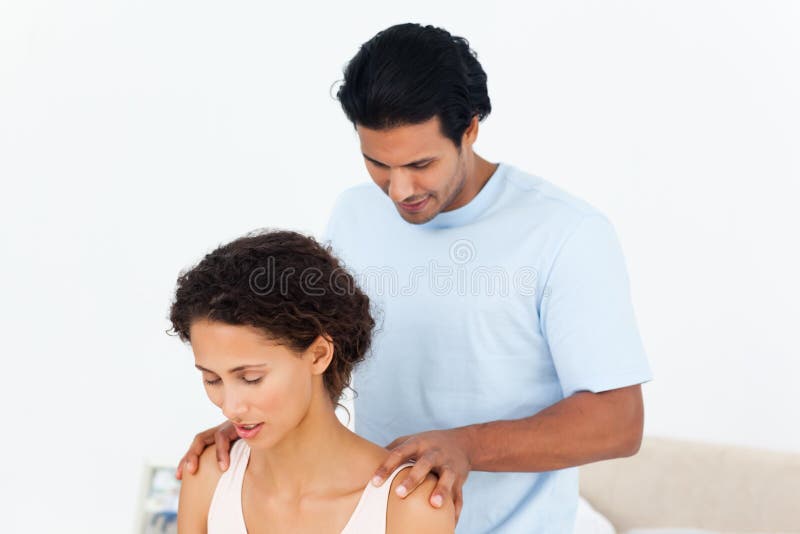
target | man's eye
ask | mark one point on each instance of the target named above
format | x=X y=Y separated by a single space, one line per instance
x=212 y=382
x=422 y=166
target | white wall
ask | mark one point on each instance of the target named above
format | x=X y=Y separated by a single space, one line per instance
x=135 y=136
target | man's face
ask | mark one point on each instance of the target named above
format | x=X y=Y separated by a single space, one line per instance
x=420 y=169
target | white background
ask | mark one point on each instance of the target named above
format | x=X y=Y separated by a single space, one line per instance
x=137 y=135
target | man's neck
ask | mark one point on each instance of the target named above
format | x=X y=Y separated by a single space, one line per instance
x=478 y=172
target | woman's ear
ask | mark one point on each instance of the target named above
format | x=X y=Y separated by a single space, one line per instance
x=321 y=353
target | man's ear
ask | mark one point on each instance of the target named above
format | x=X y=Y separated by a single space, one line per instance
x=321 y=354
x=471 y=133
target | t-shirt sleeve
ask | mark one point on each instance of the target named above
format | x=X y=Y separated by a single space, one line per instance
x=587 y=316
x=332 y=228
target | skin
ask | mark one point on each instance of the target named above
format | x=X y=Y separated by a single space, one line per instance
x=306 y=471
x=414 y=162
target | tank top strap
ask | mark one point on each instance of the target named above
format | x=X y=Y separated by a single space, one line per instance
x=225 y=512
x=370 y=513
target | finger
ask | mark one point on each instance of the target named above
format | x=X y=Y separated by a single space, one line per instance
x=179 y=470
x=191 y=459
x=459 y=503
x=443 y=489
x=229 y=431
x=184 y=462
x=397 y=442
x=396 y=457
x=223 y=446
x=201 y=441
x=415 y=477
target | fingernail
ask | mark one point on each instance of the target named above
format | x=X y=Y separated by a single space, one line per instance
x=188 y=465
x=437 y=500
x=401 y=490
x=222 y=465
x=376 y=481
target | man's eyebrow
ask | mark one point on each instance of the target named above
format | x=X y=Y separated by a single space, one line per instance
x=235 y=369
x=411 y=164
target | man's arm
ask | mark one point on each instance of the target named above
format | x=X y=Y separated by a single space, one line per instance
x=585 y=427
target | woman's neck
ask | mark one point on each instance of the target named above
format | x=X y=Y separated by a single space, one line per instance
x=318 y=456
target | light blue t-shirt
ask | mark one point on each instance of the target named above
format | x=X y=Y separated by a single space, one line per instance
x=493 y=311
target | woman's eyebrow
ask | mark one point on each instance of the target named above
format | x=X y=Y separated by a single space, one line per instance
x=235 y=369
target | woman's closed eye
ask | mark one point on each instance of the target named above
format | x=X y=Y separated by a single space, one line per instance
x=246 y=380
x=251 y=380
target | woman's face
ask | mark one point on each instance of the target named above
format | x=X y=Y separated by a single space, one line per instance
x=262 y=387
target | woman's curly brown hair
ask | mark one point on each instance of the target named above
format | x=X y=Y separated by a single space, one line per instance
x=289 y=286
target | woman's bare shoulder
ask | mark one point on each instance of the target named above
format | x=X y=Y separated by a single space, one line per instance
x=196 y=492
x=415 y=513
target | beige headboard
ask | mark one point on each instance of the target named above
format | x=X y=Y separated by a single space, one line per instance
x=673 y=483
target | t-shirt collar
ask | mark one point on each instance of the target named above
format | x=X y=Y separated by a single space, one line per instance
x=471 y=210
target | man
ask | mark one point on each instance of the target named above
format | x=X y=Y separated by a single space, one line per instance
x=509 y=352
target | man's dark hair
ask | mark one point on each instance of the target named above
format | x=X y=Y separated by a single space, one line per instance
x=287 y=285
x=408 y=74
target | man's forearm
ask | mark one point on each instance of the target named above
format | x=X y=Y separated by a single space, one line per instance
x=586 y=427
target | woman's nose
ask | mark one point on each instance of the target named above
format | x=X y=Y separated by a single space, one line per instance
x=233 y=406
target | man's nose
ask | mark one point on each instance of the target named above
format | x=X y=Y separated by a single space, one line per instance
x=401 y=185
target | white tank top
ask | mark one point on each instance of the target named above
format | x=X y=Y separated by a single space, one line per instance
x=225 y=513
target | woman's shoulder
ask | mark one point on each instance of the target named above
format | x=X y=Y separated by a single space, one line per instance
x=197 y=490
x=415 y=513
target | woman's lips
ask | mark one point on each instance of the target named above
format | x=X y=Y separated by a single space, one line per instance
x=247 y=433
x=415 y=207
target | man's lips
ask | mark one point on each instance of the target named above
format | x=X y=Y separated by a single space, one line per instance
x=419 y=205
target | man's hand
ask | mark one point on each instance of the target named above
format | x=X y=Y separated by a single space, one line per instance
x=222 y=436
x=443 y=452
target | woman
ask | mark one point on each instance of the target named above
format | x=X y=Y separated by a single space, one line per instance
x=276 y=326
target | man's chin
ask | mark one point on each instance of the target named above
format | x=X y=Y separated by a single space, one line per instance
x=418 y=217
